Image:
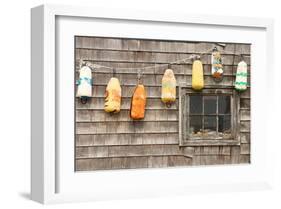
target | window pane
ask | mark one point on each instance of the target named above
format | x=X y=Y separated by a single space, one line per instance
x=210 y=105
x=224 y=123
x=196 y=104
x=210 y=123
x=195 y=124
x=224 y=104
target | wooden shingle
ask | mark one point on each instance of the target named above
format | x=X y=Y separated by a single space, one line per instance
x=114 y=141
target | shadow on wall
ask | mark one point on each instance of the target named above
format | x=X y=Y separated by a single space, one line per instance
x=25 y=195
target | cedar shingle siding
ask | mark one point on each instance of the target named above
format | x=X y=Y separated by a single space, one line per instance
x=105 y=141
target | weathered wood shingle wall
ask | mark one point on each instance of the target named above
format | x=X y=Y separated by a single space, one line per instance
x=105 y=141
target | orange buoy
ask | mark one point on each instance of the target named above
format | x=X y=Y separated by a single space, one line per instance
x=137 y=110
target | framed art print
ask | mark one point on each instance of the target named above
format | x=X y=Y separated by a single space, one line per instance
x=214 y=119
x=123 y=102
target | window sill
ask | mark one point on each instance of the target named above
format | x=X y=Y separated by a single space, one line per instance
x=210 y=142
x=196 y=137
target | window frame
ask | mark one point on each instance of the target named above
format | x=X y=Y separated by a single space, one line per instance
x=186 y=140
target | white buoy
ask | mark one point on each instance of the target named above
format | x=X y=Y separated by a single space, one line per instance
x=84 y=89
x=241 y=76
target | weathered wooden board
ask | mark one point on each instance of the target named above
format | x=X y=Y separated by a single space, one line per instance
x=245 y=126
x=245 y=115
x=155 y=69
x=127 y=127
x=156 y=45
x=114 y=141
x=95 y=116
x=235 y=154
x=131 y=151
x=97 y=103
x=245 y=159
x=245 y=138
x=245 y=103
x=131 y=162
x=212 y=150
x=147 y=57
x=214 y=159
x=126 y=139
x=245 y=149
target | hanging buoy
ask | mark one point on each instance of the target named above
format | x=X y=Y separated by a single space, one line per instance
x=84 y=89
x=241 y=76
x=217 y=68
x=137 y=110
x=113 y=96
x=197 y=75
x=169 y=84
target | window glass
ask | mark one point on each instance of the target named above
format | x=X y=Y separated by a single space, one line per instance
x=195 y=124
x=210 y=105
x=210 y=123
x=210 y=115
x=224 y=123
x=196 y=104
x=224 y=104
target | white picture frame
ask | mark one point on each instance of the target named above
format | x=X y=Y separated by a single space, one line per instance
x=53 y=179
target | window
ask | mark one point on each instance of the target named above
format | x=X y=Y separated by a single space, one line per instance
x=208 y=117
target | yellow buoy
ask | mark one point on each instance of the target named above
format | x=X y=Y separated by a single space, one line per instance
x=138 y=103
x=197 y=75
x=113 y=96
x=169 y=84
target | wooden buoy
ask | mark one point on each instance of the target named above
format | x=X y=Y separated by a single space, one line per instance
x=84 y=89
x=217 y=68
x=137 y=110
x=241 y=76
x=169 y=84
x=197 y=75
x=113 y=96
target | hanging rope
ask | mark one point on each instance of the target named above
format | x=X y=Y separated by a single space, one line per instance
x=176 y=62
x=139 y=76
x=113 y=72
x=81 y=63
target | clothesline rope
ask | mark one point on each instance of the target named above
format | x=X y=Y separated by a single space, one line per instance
x=180 y=61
